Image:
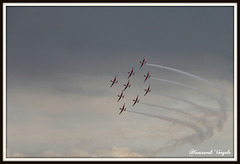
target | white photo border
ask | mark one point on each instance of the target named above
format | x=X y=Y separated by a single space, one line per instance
x=4 y=148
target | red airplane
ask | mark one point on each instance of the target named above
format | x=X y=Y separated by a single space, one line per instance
x=147 y=90
x=136 y=100
x=143 y=62
x=122 y=109
x=127 y=85
x=147 y=76
x=131 y=73
x=114 y=81
x=120 y=96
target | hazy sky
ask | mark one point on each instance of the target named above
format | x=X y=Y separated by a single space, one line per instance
x=60 y=61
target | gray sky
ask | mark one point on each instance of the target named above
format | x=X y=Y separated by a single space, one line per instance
x=60 y=61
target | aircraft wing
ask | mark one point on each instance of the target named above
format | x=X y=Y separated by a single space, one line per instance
x=146 y=92
x=119 y=98
x=112 y=84
x=121 y=111
x=134 y=103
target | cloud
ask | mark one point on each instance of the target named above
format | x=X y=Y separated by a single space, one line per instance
x=115 y=152
x=124 y=152
x=15 y=154
x=87 y=124
x=50 y=154
x=72 y=153
x=79 y=153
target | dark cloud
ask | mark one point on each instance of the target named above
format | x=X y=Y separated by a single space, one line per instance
x=45 y=41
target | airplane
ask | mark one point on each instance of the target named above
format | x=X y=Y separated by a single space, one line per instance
x=131 y=73
x=121 y=96
x=143 y=62
x=136 y=100
x=114 y=81
x=147 y=90
x=127 y=85
x=147 y=76
x=122 y=109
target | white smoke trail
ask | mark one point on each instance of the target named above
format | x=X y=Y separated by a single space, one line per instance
x=211 y=121
x=183 y=85
x=222 y=101
x=185 y=73
x=199 y=107
x=185 y=123
x=196 y=138
x=222 y=115
x=202 y=121
x=176 y=110
x=209 y=126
